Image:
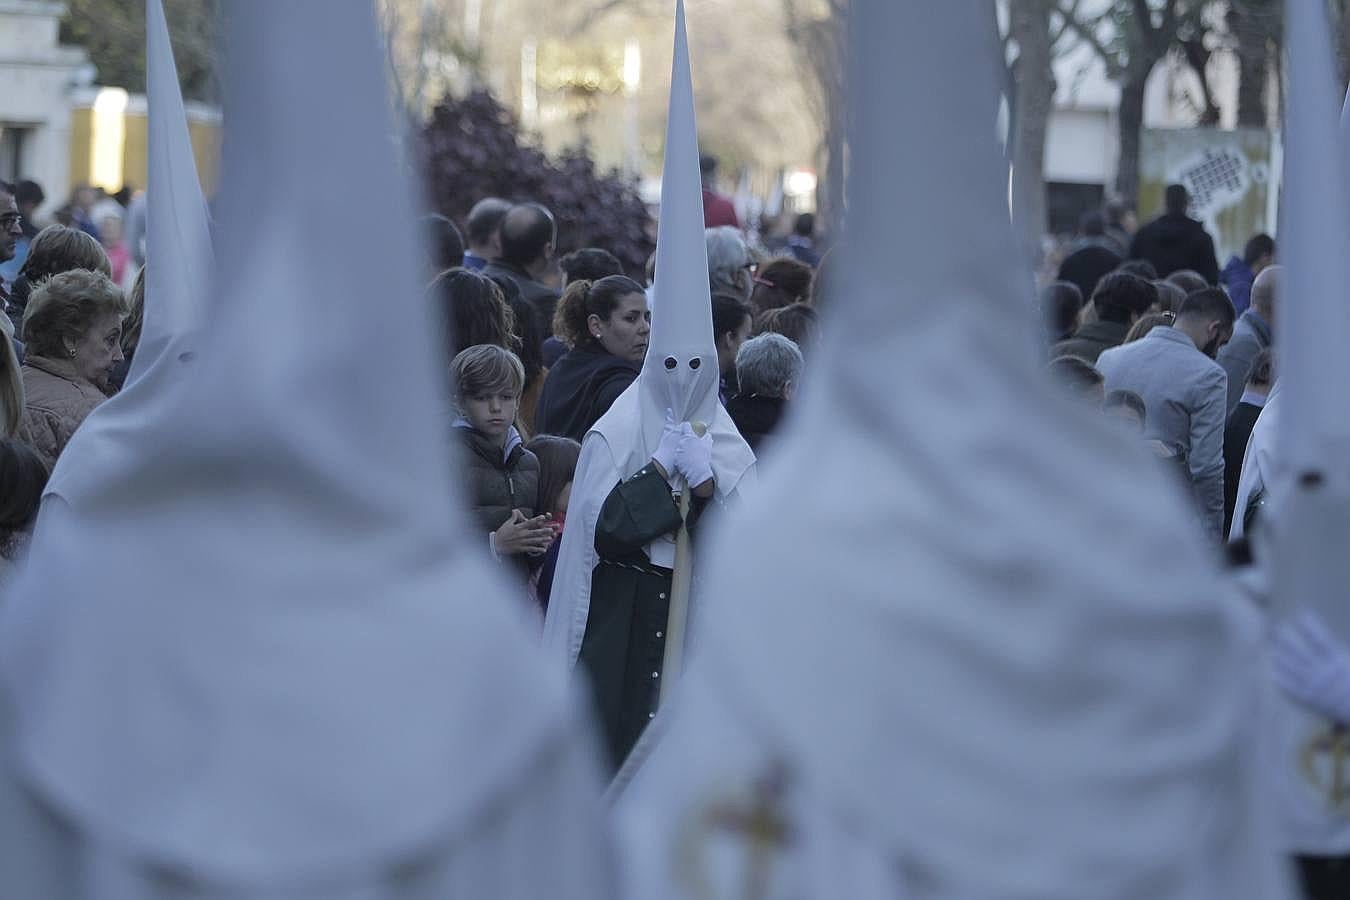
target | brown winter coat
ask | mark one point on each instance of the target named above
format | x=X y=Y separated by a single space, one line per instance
x=56 y=401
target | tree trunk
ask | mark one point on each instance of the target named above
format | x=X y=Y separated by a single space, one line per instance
x=1033 y=101
x=830 y=198
x=1255 y=25
x=1131 y=125
x=824 y=43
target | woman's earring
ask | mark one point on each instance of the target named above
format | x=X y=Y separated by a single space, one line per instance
x=72 y=354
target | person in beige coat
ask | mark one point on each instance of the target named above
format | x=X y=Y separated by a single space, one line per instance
x=73 y=326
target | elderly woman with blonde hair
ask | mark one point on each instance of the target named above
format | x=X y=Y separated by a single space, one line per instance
x=73 y=327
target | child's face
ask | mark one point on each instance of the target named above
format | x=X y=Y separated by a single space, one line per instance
x=491 y=412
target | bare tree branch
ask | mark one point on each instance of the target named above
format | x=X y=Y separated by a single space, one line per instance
x=1086 y=31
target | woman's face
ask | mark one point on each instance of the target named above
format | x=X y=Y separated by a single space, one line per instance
x=729 y=343
x=625 y=332
x=98 y=350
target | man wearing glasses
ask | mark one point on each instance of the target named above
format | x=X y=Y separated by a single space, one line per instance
x=11 y=230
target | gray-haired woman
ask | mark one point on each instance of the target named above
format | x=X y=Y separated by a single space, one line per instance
x=73 y=328
x=768 y=368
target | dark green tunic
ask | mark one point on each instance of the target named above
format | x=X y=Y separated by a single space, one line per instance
x=624 y=644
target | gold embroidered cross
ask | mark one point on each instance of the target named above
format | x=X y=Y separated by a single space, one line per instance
x=756 y=817
x=1334 y=742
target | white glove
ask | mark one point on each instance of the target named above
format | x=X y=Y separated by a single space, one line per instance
x=667 y=451
x=1313 y=667
x=694 y=460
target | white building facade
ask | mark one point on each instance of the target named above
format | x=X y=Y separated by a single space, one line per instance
x=37 y=79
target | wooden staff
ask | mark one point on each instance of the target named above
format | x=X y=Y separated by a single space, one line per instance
x=677 y=619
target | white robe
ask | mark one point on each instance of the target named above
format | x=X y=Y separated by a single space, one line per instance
x=537 y=839
x=612 y=451
x=689 y=822
x=1258 y=464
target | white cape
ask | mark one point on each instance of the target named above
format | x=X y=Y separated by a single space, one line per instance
x=534 y=838
x=1260 y=469
x=611 y=453
x=750 y=827
x=973 y=626
x=264 y=657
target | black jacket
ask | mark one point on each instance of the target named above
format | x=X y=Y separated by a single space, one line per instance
x=1175 y=242
x=1087 y=265
x=1090 y=340
x=18 y=302
x=756 y=417
x=543 y=298
x=498 y=481
x=1235 y=438
x=579 y=389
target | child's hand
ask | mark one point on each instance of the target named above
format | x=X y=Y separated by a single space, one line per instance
x=522 y=535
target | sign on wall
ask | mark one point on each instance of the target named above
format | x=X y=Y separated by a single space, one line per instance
x=1231 y=176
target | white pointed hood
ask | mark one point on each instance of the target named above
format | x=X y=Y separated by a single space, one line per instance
x=976 y=624
x=1306 y=475
x=179 y=251
x=1311 y=494
x=178 y=237
x=270 y=648
x=680 y=372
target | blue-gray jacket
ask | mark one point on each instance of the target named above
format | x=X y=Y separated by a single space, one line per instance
x=1186 y=395
x=1251 y=335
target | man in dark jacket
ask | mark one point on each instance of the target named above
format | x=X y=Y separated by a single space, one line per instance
x=482 y=232
x=1093 y=257
x=528 y=236
x=1175 y=241
x=11 y=230
x=1240 y=272
x=1119 y=301
x=1254 y=332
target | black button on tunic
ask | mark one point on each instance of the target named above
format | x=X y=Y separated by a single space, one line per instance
x=624 y=644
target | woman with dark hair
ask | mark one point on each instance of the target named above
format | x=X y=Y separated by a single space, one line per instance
x=781 y=282
x=586 y=264
x=23 y=477
x=732 y=321
x=1147 y=323
x=605 y=325
x=529 y=338
x=798 y=323
x=589 y=264
x=475 y=311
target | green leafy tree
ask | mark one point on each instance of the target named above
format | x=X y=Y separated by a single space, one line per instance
x=113 y=33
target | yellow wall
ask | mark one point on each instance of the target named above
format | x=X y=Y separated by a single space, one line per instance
x=135 y=153
x=205 y=138
x=81 y=146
